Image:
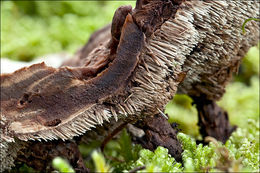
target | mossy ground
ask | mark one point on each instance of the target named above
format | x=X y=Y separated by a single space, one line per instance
x=35 y=28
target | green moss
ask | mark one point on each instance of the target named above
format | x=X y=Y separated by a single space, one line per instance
x=100 y=162
x=123 y=152
x=240 y=153
x=244 y=145
x=62 y=165
x=196 y=157
x=157 y=161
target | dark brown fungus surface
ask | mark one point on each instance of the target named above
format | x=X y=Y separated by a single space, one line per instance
x=63 y=93
x=213 y=120
x=39 y=154
x=158 y=132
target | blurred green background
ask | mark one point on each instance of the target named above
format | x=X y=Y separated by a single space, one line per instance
x=31 y=29
x=35 y=28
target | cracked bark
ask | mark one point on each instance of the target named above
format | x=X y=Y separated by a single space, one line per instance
x=39 y=155
x=158 y=132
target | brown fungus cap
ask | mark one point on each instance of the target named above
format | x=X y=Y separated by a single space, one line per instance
x=51 y=99
x=40 y=102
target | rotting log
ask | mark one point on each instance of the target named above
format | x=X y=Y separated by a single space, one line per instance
x=213 y=120
x=155 y=131
x=39 y=155
x=130 y=72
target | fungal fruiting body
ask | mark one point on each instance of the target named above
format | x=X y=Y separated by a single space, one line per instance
x=132 y=74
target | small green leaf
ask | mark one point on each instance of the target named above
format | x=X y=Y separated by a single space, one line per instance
x=126 y=147
x=100 y=162
x=62 y=165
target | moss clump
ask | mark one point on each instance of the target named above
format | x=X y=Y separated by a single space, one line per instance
x=243 y=145
x=240 y=153
x=196 y=157
x=157 y=161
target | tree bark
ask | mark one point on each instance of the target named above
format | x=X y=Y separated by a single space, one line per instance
x=158 y=132
x=213 y=120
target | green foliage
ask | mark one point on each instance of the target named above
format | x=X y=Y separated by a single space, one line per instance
x=196 y=157
x=100 y=162
x=157 y=161
x=240 y=153
x=62 y=165
x=123 y=152
x=252 y=60
x=244 y=145
x=126 y=147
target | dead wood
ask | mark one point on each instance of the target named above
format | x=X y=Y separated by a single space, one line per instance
x=158 y=132
x=39 y=155
x=213 y=120
x=130 y=74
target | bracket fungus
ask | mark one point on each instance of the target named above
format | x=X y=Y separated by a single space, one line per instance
x=128 y=70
